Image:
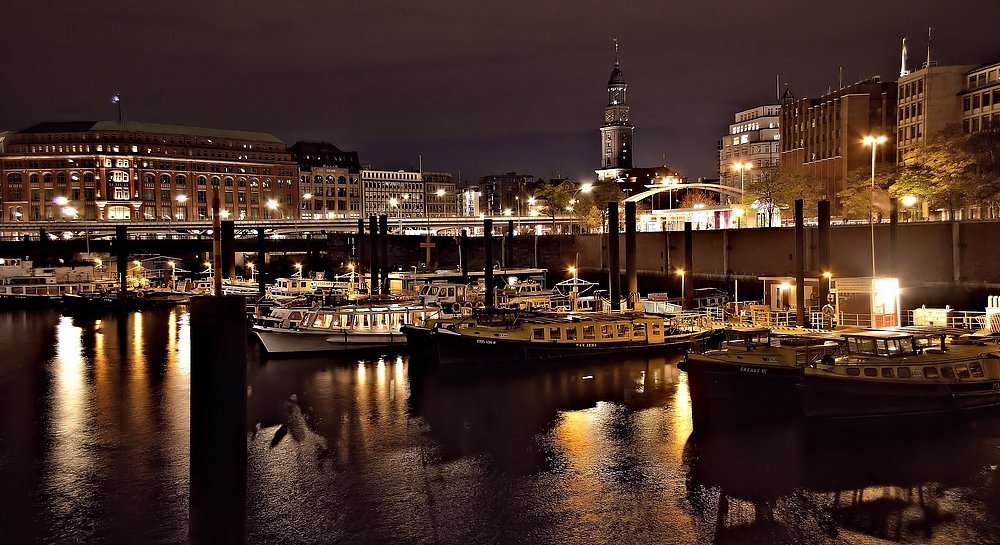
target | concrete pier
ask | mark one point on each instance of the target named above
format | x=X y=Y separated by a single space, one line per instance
x=218 y=421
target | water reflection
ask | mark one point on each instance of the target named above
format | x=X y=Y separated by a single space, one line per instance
x=372 y=449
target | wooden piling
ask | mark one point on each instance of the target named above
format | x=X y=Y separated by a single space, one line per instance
x=614 y=273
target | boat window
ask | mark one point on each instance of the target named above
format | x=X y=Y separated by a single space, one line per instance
x=903 y=372
x=323 y=321
x=424 y=290
x=870 y=372
x=887 y=372
x=555 y=333
x=861 y=345
x=451 y=292
x=588 y=333
x=538 y=333
x=962 y=370
x=853 y=371
x=638 y=329
x=976 y=369
x=571 y=333
x=623 y=330
x=947 y=372
x=295 y=315
x=655 y=329
x=930 y=372
x=606 y=332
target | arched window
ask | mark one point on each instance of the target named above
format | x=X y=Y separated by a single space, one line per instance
x=88 y=178
x=318 y=179
x=215 y=181
x=14 y=178
x=181 y=179
x=202 y=180
x=47 y=178
x=34 y=178
x=61 y=178
x=148 y=178
x=229 y=182
x=241 y=182
x=164 y=178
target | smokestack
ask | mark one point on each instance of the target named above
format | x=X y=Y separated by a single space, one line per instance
x=902 y=67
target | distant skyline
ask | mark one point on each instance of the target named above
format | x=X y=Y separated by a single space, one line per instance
x=477 y=89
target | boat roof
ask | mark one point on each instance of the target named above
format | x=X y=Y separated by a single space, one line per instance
x=879 y=334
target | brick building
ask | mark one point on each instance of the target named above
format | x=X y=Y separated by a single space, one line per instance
x=329 y=180
x=823 y=137
x=132 y=171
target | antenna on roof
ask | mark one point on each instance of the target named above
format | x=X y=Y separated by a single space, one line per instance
x=902 y=67
x=929 y=62
x=616 y=50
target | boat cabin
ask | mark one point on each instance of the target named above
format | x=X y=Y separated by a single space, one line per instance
x=892 y=344
x=748 y=337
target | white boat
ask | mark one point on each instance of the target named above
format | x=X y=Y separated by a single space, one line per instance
x=21 y=281
x=334 y=329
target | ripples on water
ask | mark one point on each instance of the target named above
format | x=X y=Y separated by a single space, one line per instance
x=94 y=449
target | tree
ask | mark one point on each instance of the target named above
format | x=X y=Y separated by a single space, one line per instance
x=945 y=170
x=556 y=199
x=773 y=188
x=857 y=199
x=595 y=204
x=692 y=198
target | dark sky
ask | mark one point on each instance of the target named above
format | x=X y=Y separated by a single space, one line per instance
x=476 y=87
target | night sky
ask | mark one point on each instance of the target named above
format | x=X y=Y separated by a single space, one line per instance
x=475 y=87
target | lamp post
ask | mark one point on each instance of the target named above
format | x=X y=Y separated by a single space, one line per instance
x=307 y=197
x=584 y=188
x=181 y=201
x=394 y=203
x=873 y=141
x=908 y=201
x=680 y=272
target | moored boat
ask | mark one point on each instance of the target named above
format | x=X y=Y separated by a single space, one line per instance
x=333 y=329
x=896 y=372
x=506 y=336
x=753 y=373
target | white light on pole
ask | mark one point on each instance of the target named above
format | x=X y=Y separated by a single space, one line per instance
x=873 y=141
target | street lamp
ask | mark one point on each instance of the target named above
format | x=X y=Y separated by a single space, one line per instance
x=743 y=167
x=873 y=141
x=680 y=273
x=584 y=188
x=394 y=202
x=307 y=196
x=272 y=205
x=908 y=201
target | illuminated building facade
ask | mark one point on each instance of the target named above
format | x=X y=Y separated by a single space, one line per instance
x=329 y=180
x=439 y=194
x=133 y=171
x=397 y=193
x=751 y=146
x=927 y=103
x=980 y=96
x=823 y=137
x=616 y=132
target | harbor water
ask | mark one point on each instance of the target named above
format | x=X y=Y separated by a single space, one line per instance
x=94 y=448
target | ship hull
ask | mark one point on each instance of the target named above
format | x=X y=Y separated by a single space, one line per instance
x=836 y=397
x=456 y=349
x=292 y=341
x=752 y=390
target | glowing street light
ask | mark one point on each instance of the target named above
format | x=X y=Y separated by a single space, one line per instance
x=61 y=201
x=873 y=141
x=680 y=273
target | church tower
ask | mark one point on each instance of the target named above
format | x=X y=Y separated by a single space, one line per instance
x=616 y=132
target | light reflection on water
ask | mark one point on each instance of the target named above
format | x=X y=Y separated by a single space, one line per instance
x=372 y=450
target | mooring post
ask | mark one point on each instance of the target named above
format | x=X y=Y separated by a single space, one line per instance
x=631 y=274
x=383 y=225
x=359 y=250
x=121 y=255
x=614 y=273
x=510 y=244
x=488 y=259
x=463 y=255
x=261 y=263
x=893 y=236
x=229 y=248
x=217 y=504
x=826 y=273
x=373 y=269
x=800 y=266
x=687 y=274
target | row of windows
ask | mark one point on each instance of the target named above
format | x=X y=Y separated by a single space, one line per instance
x=961 y=370
x=980 y=79
x=983 y=123
x=911 y=110
x=980 y=100
x=371 y=176
x=592 y=332
x=911 y=132
x=115 y=148
x=146 y=137
x=911 y=89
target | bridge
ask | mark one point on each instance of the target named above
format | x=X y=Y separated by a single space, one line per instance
x=99 y=230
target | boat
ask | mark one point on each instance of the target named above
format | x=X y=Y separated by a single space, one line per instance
x=754 y=372
x=334 y=329
x=903 y=372
x=21 y=283
x=510 y=336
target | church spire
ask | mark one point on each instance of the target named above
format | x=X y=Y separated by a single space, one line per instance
x=616 y=51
